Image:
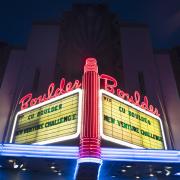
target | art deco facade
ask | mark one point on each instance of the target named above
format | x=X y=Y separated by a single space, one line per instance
x=123 y=50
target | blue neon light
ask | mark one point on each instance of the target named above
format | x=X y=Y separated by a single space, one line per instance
x=108 y=154
x=99 y=170
x=60 y=152
x=137 y=155
x=177 y=174
x=76 y=170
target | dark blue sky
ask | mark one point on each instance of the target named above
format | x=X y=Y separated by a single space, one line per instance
x=162 y=17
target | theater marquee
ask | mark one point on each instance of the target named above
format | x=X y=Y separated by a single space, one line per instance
x=54 y=120
x=129 y=125
x=110 y=113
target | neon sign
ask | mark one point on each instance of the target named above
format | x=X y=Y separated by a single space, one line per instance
x=95 y=119
x=126 y=124
x=54 y=120
x=110 y=84
x=28 y=101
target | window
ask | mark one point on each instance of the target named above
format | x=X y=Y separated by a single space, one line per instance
x=4 y=57
x=36 y=79
x=141 y=83
x=59 y=73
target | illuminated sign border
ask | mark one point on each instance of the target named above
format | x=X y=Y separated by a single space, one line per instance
x=72 y=152
x=101 y=92
x=79 y=91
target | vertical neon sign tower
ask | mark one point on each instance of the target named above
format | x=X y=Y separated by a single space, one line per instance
x=90 y=136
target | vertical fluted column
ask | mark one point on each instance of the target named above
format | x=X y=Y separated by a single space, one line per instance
x=90 y=132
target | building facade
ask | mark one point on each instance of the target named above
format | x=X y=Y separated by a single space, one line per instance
x=122 y=50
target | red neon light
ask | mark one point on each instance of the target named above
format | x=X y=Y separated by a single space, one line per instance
x=28 y=101
x=110 y=84
x=90 y=135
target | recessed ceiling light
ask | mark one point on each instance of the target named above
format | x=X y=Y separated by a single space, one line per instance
x=128 y=166
x=23 y=169
x=52 y=167
x=137 y=177
x=15 y=166
x=151 y=175
x=123 y=170
x=10 y=160
x=177 y=174
x=167 y=172
x=59 y=173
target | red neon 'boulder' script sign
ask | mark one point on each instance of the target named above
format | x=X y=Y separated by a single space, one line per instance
x=28 y=99
x=110 y=84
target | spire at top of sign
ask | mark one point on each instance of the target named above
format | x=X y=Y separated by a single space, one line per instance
x=91 y=65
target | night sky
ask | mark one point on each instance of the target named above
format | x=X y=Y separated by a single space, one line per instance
x=162 y=17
